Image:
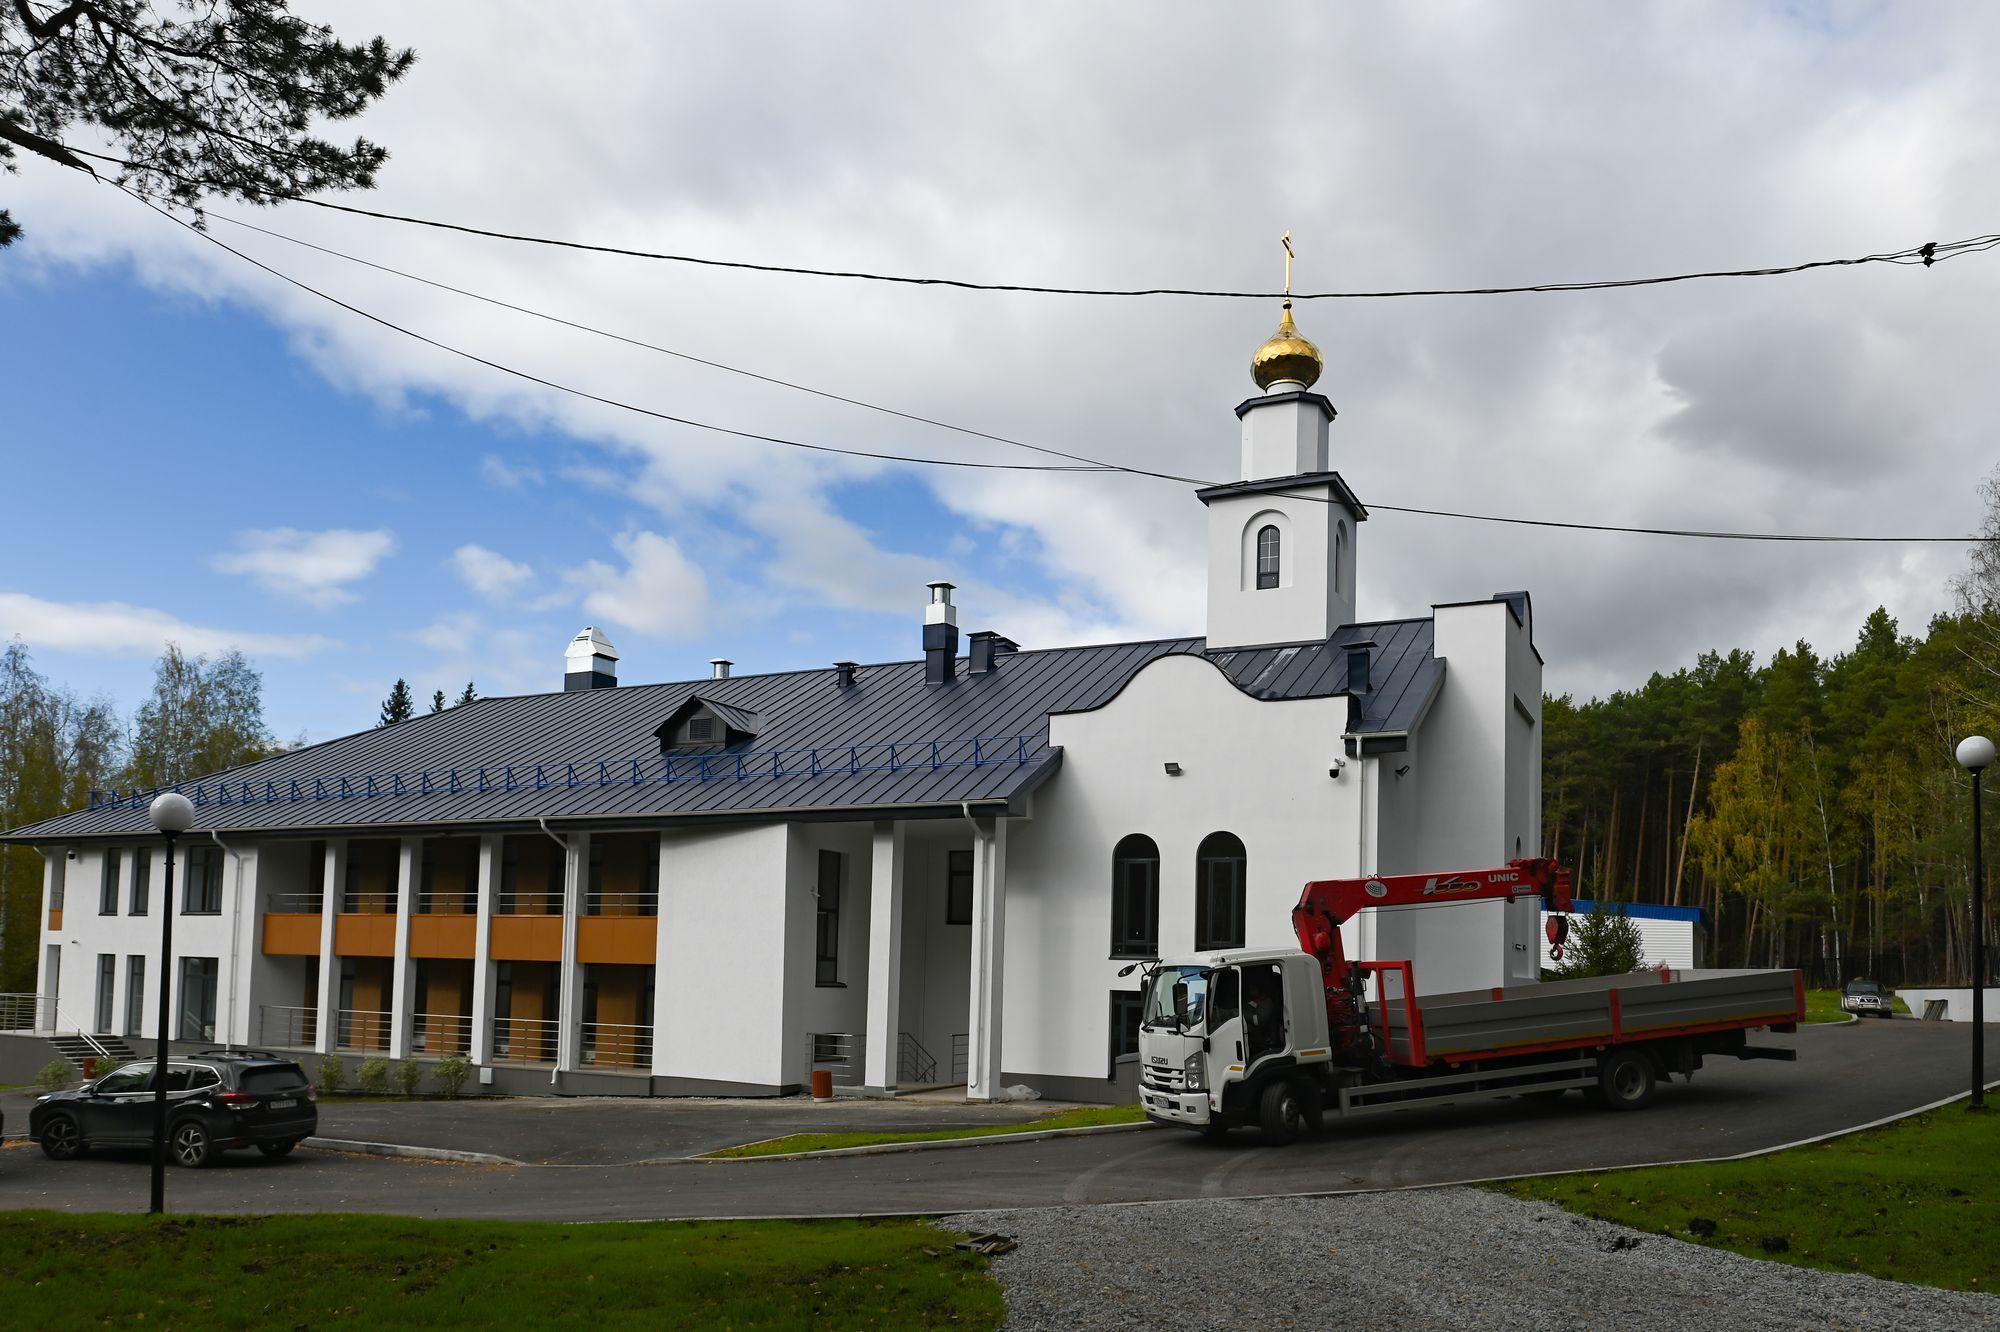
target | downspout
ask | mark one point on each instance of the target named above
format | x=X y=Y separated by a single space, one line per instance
x=565 y=968
x=235 y=923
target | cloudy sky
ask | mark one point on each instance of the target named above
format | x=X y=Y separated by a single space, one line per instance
x=197 y=451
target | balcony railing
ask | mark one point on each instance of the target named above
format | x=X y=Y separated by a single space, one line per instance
x=27 y=1012
x=368 y=904
x=361 y=1029
x=524 y=1040
x=287 y=1028
x=621 y=904
x=960 y=1061
x=440 y=1034
x=298 y=904
x=841 y=1052
x=528 y=904
x=617 y=1045
x=462 y=902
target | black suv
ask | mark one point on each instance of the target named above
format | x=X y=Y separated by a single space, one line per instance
x=216 y=1100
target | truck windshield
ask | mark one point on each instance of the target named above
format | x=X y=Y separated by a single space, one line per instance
x=1160 y=1011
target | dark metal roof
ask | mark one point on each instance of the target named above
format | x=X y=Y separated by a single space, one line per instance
x=889 y=742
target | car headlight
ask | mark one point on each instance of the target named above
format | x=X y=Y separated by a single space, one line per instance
x=1196 y=1071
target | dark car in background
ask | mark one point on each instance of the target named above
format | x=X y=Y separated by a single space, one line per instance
x=1867 y=998
x=216 y=1100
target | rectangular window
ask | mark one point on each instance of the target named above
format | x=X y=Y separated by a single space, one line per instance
x=201 y=894
x=107 y=977
x=1126 y=1006
x=198 y=998
x=107 y=883
x=958 y=889
x=826 y=966
x=135 y=995
x=142 y=881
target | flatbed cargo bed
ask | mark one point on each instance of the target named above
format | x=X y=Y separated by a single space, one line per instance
x=1421 y=1030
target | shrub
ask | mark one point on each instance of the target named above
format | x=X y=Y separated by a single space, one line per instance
x=451 y=1073
x=409 y=1076
x=331 y=1072
x=1603 y=943
x=372 y=1077
x=55 y=1075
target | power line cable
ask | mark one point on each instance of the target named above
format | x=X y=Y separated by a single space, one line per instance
x=1082 y=463
x=1926 y=254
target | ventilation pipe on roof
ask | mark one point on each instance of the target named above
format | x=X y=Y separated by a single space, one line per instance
x=843 y=673
x=986 y=648
x=590 y=662
x=940 y=636
x=1357 y=668
x=718 y=668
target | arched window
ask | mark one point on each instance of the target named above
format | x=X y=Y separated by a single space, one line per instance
x=1340 y=578
x=1135 y=897
x=1219 y=891
x=1267 y=557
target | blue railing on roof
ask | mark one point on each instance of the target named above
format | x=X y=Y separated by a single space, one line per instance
x=653 y=770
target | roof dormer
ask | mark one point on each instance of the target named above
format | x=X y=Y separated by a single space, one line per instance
x=702 y=723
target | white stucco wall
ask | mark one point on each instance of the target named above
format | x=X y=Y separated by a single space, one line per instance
x=1958 y=1002
x=1315 y=592
x=1255 y=769
x=727 y=945
x=1672 y=943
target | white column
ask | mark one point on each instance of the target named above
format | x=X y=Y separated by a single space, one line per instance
x=482 y=951
x=661 y=1014
x=239 y=1000
x=332 y=888
x=403 y=985
x=55 y=865
x=569 y=995
x=989 y=931
x=885 y=953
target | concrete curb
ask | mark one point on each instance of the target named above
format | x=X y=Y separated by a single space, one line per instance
x=921 y=1145
x=411 y=1153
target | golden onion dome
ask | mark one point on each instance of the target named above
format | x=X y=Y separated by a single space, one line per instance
x=1286 y=357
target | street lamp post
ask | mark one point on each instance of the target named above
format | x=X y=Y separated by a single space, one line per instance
x=1975 y=754
x=172 y=814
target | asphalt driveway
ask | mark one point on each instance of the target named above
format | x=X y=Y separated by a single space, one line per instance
x=1846 y=1075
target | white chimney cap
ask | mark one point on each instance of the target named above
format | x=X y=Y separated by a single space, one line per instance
x=590 y=643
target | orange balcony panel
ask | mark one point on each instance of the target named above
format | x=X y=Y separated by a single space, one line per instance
x=527 y=938
x=55 y=918
x=364 y=934
x=624 y=939
x=291 y=934
x=442 y=936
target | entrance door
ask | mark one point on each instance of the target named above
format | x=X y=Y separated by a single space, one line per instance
x=198 y=998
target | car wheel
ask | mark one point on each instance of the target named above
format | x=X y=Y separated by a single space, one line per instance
x=1281 y=1114
x=274 y=1150
x=191 y=1144
x=1625 y=1080
x=61 y=1139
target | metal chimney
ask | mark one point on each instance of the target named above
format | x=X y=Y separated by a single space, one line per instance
x=1357 y=667
x=843 y=673
x=940 y=636
x=718 y=668
x=590 y=662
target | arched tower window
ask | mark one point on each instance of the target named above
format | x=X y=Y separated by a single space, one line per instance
x=1267 y=556
x=1219 y=891
x=1340 y=554
x=1135 y=897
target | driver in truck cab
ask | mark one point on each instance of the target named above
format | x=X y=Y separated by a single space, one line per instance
x=1262 y=1020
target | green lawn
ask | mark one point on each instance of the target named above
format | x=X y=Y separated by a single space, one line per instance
x=1918 y=1200
x=1081 y=1117
x=61 y=1270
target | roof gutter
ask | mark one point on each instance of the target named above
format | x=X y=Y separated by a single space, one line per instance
x=566 y=968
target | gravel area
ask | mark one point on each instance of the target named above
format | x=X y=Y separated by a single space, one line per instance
x=1428 y=1258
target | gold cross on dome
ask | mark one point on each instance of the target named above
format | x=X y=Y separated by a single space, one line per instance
x=1286 y=241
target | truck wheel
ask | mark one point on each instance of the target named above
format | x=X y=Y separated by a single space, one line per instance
x=1625 y=1080
x=1281 y=1114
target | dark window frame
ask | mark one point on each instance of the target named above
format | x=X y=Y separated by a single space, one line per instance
x=958 y=888
x=1269 y=560
x=1127 y=1008
x=826 y=920
x=135 y=994
x=1135 y=883
x=107 y=881
x=201 y=893
x=1221 y=878
x=107 y=993
x=141 y=900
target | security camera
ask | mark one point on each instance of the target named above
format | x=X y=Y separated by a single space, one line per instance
x=1339 y=766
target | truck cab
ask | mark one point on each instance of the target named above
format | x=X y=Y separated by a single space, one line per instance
x=1220 y=1030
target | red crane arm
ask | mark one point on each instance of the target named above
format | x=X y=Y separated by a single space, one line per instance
x=1327 y=903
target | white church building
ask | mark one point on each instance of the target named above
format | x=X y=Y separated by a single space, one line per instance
x=925 y=872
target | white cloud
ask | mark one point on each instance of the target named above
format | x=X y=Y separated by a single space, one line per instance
x=113 y=626
x=509 y=476
x=313 y=567
x=659 y=591
x=489 y=573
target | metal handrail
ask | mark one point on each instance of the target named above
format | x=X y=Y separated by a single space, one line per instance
x=453 y=1033
x=915 y=1065
x=509 y=1033
x=427 y=903
x=287 y=1027
x=372 y=1026
x=41 y=1006
x=594 y=904
x=617 y=1044
x=661 y=769
x=841 y=1052
x=297 y=904
x=961 y=1065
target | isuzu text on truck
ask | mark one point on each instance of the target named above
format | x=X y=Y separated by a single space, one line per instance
x=1281 y=1038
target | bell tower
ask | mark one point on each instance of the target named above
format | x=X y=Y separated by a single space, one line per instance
x=1281 y=539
